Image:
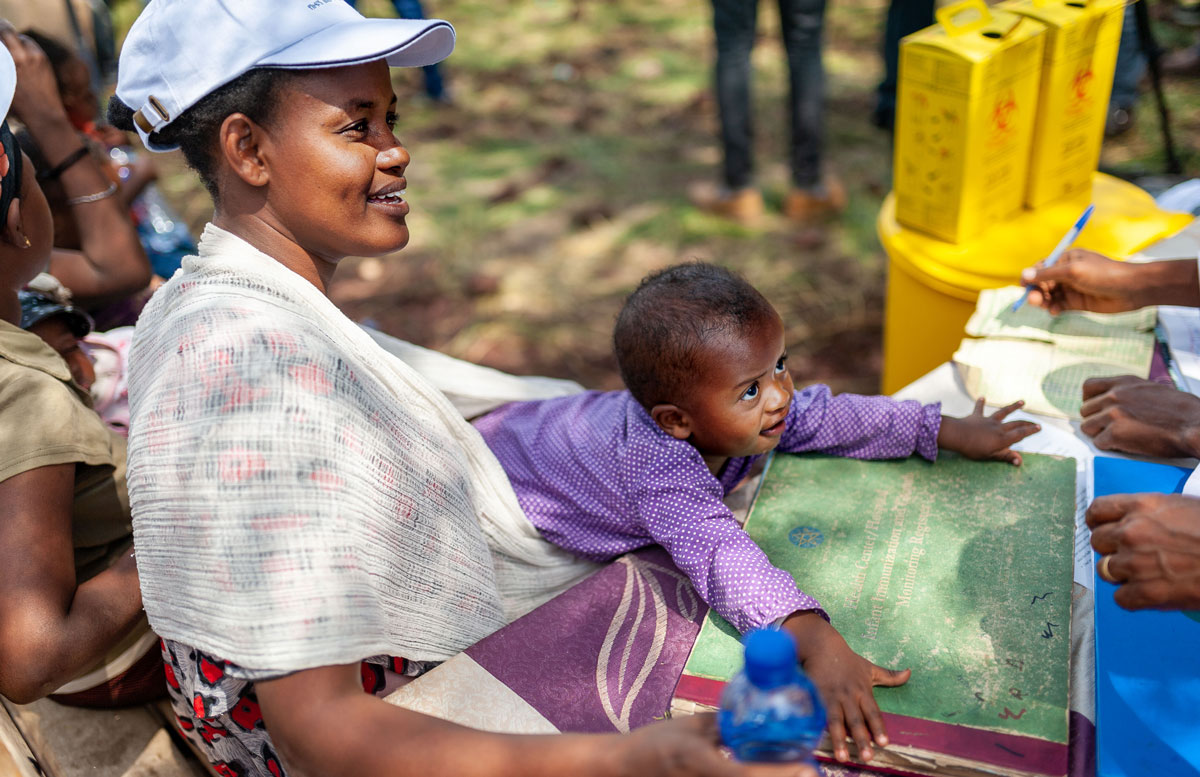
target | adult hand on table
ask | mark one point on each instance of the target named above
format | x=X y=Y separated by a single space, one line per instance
x=1086 y=280
x=1133 y=415
x=1151 y=549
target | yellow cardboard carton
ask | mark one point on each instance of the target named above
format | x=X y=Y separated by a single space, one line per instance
x=965 y=106
x=1077 y=74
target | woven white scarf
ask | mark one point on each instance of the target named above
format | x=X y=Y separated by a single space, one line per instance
x=300 y=496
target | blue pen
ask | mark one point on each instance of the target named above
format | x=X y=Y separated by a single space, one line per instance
x=1062 y=246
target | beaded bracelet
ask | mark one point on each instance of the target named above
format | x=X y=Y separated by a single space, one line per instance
x=61 y=167
x=85 y=198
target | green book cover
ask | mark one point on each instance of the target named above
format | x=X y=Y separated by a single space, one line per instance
x=959 y=570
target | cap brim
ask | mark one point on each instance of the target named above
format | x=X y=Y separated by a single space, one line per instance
x=8 y=82
x=402 y=42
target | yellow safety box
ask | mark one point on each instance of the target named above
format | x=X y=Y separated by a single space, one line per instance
x=1077 y=73
x=965 y=106
x=932 y=285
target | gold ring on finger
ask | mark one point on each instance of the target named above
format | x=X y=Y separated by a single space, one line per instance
x=1103 y=571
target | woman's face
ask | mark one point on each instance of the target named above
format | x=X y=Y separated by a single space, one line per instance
x=336 y=170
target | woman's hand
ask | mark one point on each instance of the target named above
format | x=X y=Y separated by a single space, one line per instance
x=322 y=723
x=1130 y=414
x=845 y=681
x=983 y=437
x=1151 y=543
x=688 y=747
x=1086 y=280
x=36 y=98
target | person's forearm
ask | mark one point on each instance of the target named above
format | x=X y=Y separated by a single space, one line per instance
x=1168 y=282
x=948 y=436
x=369 y=736
x=810 y=630
x=54 y=648
x=111 y=263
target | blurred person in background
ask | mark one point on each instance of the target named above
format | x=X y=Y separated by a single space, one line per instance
x=71 y=622
x=105 y=264
x=814 y=194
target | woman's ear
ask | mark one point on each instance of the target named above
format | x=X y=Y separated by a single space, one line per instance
x=673 y=420
x=240 y=141
x=14 y=233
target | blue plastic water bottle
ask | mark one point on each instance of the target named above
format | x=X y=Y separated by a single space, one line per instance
x=770 y=711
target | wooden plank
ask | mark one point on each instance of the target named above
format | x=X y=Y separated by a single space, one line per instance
x=74 y=742
x=16 y=760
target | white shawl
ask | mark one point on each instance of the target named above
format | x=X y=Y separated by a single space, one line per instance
x=303 y=498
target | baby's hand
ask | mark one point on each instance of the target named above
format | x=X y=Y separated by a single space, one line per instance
x=844 y=680
x=983 y=437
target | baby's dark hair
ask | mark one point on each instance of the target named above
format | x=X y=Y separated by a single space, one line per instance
x=254 y=93
x=671 y=317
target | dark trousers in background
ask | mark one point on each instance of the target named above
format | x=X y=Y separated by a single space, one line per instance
x=904 y=17
x=802 y=23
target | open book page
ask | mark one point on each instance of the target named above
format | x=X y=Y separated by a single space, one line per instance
x=1048 y=377
x=994 y=317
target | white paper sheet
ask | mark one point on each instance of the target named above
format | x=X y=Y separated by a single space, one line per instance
x=1182 y=329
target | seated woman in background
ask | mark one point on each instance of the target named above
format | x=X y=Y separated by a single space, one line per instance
x=70 y=607
x=97 y=253
x=162 y=233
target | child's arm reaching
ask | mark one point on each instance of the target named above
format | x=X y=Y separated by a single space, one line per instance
x=985 y=437
x=844 y=680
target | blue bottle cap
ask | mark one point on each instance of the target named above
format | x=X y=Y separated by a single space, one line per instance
x=770 y=657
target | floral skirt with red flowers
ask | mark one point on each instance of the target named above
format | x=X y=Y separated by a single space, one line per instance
x=217 y=710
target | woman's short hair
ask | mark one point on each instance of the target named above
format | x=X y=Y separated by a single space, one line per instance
x=668 y=321
x=254 y=93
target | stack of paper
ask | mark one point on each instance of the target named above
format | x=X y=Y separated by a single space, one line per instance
x=1029 y=354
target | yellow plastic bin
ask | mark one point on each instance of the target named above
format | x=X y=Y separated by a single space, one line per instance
x=933 y=285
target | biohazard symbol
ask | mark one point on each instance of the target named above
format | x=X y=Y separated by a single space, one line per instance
x=1004 y=113
x=1080 y=91
x=1082 y=82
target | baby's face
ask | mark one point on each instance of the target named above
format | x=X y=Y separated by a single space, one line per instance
x=743 y=393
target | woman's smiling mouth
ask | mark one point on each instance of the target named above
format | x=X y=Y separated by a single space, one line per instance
x=391 y=197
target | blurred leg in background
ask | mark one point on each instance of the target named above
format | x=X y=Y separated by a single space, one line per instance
x=904 y=17
x=734 y=23
x=1131 y=67
x=814 y=193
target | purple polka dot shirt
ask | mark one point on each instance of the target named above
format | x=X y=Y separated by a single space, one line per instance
x=599 y=478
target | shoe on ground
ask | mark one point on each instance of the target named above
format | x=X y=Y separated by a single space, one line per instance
x=809 y=205
x=741 y=205
x=1119 y=121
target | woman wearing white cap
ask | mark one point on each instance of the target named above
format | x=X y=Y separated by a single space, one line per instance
x=311 y=516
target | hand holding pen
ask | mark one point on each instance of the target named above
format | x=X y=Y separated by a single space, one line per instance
x=1067 y=239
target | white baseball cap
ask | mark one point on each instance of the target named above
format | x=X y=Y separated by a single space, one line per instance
x=8 y=81
x=178 y=51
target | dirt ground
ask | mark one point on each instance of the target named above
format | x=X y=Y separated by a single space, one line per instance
x=563 y=170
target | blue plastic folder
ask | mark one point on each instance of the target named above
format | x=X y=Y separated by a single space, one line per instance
x=1147 y=662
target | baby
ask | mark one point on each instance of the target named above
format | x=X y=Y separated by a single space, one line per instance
x=703 y=357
